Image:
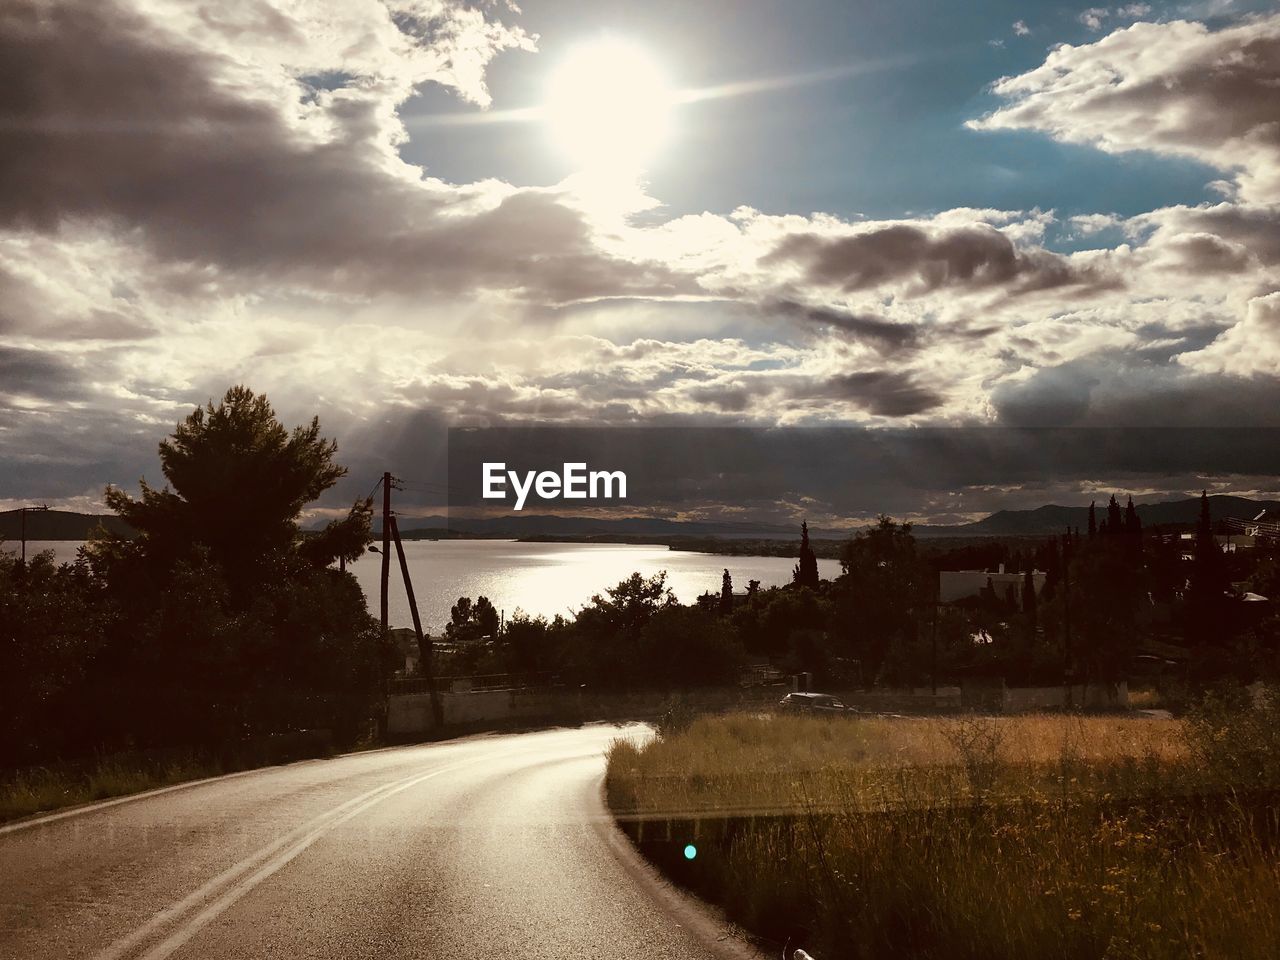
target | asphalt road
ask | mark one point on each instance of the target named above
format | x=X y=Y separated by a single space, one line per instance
x=495 y=847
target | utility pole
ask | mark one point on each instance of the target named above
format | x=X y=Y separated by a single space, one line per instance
x=43 y=506
x=424 y=645
x=386 y=547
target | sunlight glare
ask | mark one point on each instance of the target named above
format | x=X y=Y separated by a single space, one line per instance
x=608 y=107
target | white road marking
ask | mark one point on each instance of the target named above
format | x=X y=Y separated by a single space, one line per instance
x=232 y=884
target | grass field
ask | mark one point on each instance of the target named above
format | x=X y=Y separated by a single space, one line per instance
x=999 y=837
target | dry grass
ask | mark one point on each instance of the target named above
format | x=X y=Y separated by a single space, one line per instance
x=754 y=761
x=1019 y=837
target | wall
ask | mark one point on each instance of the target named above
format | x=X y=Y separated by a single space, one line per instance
x=1094 y=696
x=411 y=713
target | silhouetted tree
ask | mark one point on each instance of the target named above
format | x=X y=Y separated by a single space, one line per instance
x=238 y=481
x=726 y=594
x=1115 y=522
x=884 y=589
x=1093 y=519
x=806 y=570
x=227 y=620
x=1206 y=606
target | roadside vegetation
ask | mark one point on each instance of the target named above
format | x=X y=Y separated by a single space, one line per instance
x=973 y=837
x=39 y=789
x=218 y=631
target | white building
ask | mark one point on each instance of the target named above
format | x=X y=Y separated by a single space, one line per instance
x=957 y=584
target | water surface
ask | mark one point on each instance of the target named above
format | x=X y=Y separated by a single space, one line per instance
x=538 y=578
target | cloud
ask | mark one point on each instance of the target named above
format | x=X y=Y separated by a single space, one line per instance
x=1176 y=88
x=885 y=393
x=884 y=336
x=920 y=259
x=208 y=138
x=1093 y=17
x=196 y=195
x=1020 y=28
x=1250 y=348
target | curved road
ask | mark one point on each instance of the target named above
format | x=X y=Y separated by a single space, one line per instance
x=493 y=846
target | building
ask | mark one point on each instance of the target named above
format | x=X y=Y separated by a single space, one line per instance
x=955 y=585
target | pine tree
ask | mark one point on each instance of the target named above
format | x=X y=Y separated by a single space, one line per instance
x=806 y=571
x=726 y=594
x=1115 y=524
x=1093 y=519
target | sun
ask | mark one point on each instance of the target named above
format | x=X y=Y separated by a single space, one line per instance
x=608 y=107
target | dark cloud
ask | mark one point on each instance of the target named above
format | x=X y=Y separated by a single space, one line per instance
x=1253 y=230
x=1207 y=254
x=854 y=472
x=975 y=257
x=37 y=374
x=884 y=336
x=1125 y=390
x=884 y=393
x=727 y=398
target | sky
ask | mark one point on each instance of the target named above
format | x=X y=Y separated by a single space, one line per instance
x=406 y=215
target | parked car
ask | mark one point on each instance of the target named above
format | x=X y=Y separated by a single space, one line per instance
x=822 y=703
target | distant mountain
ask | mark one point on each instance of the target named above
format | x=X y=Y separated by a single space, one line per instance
x=542 y=525
x=1054 y=519
x=58 y=525
x=1042 y=521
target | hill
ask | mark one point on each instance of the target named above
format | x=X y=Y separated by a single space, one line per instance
x=1054 y=519
x=58 y=525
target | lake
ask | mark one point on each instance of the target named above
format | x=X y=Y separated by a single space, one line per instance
x=539 y=578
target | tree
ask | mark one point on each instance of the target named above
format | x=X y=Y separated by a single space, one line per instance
x=726 y=594
x=471 y=621
x=1093 y=519
x=1114 y=524
x=486 y=617
x=1206 y=606
x=604 y=644
x=806 y=570
x=884 y=587
x=687 y=647
x=237 y=483
x=229 y=622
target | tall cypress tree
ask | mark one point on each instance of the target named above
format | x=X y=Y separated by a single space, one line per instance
x=1115 y=523
x=726 y=593
x=1205 y=607
x=1093 y=519
x=806 y=571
